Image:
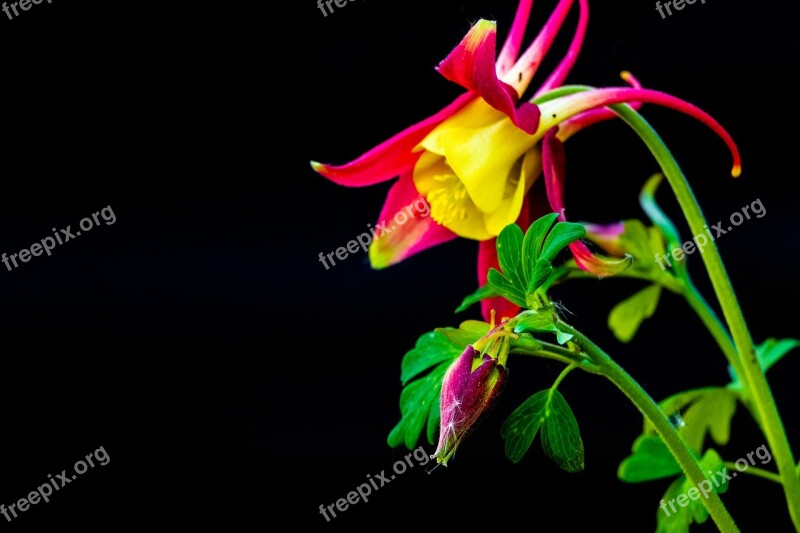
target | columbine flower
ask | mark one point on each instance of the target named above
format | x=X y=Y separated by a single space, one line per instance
x=469 y=389
x=475 y=161
x=493 y=90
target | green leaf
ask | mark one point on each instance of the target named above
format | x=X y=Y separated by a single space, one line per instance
x=645 y=244
x=506 y=288
x=467 y=332
x=525 y=259
x=712 y=413
x=650 y=460
x=701 y=412
x=561 y=438
x=434 y=417
x=768 y=353
x=647 y=199
x=563 y=338
x=521 y=426
x=532 y=244
x=635 y=240
x=541 y=272
x=626 y=317
x=416 y=402
x=771 y=351
x=431 y=349
x=542 y=320
x=481 y=294
x=563 y=234
x=657 y=245
x=676 y=518
x=509 y=254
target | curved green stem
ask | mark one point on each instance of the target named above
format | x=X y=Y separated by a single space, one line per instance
x=752 y=374
x=650 y=409
x=712 y=322
x=560 y=378
x=758 y=472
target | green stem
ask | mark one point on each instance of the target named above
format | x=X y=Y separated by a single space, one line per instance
x=650 y=409
x=712 y=323
x=527 y=346
x=560 y=378
x=758 y=472
x=752 y=374
x=684 y=286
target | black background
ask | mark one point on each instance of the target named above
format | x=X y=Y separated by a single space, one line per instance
x=230 y=377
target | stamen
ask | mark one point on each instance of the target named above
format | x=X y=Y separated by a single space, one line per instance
x=448 y=200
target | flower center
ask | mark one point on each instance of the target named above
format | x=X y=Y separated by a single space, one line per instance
x=448 y=199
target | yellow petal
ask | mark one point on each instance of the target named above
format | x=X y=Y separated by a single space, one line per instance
x=472 y=226
x=509 y=209
x=477 y=114
x=427 y=168
x=483 y=158
x=450 y=204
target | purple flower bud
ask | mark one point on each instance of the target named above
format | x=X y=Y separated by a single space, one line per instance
x=469 y=389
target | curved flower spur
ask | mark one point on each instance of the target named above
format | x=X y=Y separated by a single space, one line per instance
x=475 y=161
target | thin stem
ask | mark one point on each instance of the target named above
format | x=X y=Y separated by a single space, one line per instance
x=546 y=350
x=712 y=322
x=684 y=286
x=650 y=409
x=752 y=374
x=758 y=472
x=561 y=377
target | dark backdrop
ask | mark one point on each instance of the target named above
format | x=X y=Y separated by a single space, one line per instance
x=230 y=377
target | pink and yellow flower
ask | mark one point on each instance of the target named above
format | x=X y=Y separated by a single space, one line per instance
x=475 y=161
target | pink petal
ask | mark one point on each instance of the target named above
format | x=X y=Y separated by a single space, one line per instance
x=569 y=106
x=510 y=52
x=405 y=226
x=563 y=69
x=607 y=236
x=472 y=65
x=554 y=168
x=455 y=381
x=522 y=72
x=392 y=157
x=465 y=397
x=571 y=126
x=605 y=232
x=600 y=266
